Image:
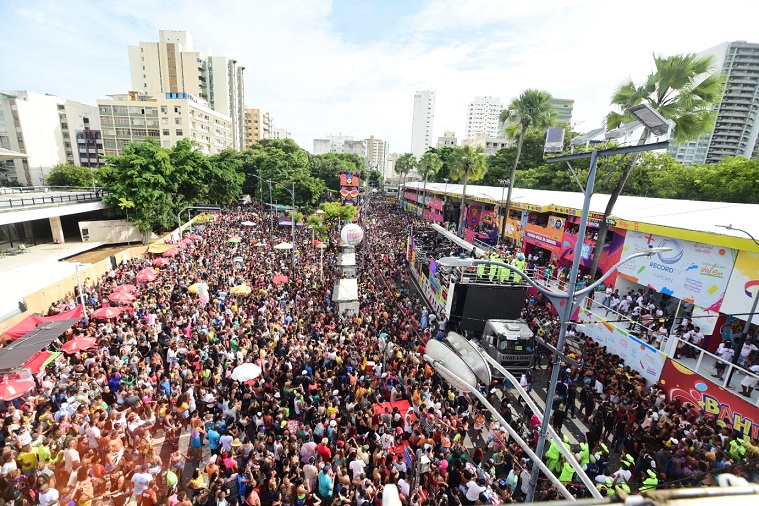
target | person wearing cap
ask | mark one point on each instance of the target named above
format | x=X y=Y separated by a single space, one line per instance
x=650 y=481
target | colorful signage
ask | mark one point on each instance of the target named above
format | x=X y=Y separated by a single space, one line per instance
x=715 y=402
x=548 y=237
x=638 y=355
x=435 y=204
x=612 y=252
x=743 y=286
x=691 y=271
x=473 y=215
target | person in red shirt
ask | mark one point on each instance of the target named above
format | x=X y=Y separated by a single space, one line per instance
x=323 y=450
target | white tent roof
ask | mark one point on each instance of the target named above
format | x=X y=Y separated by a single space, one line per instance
x=686 y=219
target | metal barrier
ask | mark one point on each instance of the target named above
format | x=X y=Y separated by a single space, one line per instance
x=59 y=198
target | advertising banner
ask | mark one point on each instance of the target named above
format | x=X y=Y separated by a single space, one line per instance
x=691 y=271
x=473 y=215
x=680 y=383
x=546 y=237
x=612 y=252
x=436 y=204
x=638 y=355
x=743 y=286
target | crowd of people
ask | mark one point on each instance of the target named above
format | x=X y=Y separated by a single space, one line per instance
x=153 y=415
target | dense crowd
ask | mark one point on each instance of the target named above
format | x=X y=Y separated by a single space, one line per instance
x=152 y=415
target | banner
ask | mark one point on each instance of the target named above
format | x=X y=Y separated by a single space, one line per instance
x=694 y=272
x=473 y=215
x=680 y=383
x=612 y=252
x=638 y=355
x=743 y=286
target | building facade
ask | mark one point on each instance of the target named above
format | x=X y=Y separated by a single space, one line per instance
x=280 y=133
x=377 y=152
x=492 y=145
x=357 y=147
x=167 y=118
x=563 y=108
x=173 y=65
x=736 y=128
x=331 y=144
x=44 y=127
x=448 y=140
x=423 y=122
x=483 y=116
x=257 y=126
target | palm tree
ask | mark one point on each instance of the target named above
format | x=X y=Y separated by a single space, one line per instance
x=403 y=165
x=678 y=90
x=532 y=109
x=467 y=163
x=429 y=165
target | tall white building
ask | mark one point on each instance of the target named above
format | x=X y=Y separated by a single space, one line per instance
x=45 y=127
x=736 y=130
x=423 y=122
x=377 y=152
x=482 y=117
x=331 y=144
x=167 y=118
x=280 y=133
x=173 y=65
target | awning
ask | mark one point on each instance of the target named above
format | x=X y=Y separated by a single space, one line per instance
x=20 y=351
x=160 y=248
x=40 y=360
x=30 y=323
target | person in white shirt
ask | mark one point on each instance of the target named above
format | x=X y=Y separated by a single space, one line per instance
x=749 y=382
x=725 y=352
x=748 y=348
x=140 y=482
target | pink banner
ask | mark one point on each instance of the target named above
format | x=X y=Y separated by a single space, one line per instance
x=436 y=204
x=431 y=216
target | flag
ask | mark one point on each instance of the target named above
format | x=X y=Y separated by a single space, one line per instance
x=408 y=458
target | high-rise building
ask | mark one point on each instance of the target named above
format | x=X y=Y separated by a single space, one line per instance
x=423 y=122
x=331 y=144
x=257 y=126
x=173 y=65
x=483 y=116
x=737 y=125
x=167 y=118
x=563 y=109
x=357 y=147
x=492 y=145
x=46 y=127
x=377 y=152
x=447 y=140
x=280 y=133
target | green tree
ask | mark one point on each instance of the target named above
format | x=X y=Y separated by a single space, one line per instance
x=733 y=179
x=467 y=164
x=308 y=189
x=225 y=177
x=65 y=174
x=329 y=166
x=532 y=109
x=375 y=178
x=443 y=153
x=273 y=159
x=429 y=165
x=335 y=212
x=679 y=92
x=405 y=164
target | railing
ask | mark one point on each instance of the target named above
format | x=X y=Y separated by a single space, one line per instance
x=59 y=198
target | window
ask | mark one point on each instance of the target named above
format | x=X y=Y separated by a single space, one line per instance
x=179 y=132
x=164 y=121
x=177 y=110
x=69 y=154
x=166 y=131
x=164 y=109
x=177 y=121
x=139 y=132
x=105 y=109
x=166 y=144
x=61 y=107
x=121 y=121
x=67 y=144
x=154 y=133
x=123 y=132
x=65 y=126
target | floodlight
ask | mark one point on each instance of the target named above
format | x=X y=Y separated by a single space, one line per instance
x=455 y=262
x=650 y=118
x=472 y=355
x=436 y=353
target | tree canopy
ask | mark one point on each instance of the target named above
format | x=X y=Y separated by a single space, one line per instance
x=65 y=174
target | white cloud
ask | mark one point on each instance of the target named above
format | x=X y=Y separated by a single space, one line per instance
x=302 y=69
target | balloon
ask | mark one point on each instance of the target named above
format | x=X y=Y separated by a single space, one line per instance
x=171 y=478
x=351 y=235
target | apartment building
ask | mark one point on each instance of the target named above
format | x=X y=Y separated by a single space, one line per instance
x=483 y=117
x=257 y=126
x=423 y=122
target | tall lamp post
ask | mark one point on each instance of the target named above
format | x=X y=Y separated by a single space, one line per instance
x=752 y=313
x=292 y=218
x=271 y=205
x=81 y=292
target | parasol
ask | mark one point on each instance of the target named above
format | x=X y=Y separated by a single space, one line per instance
x=283 y=246
x=159 y=262
x=146 y=275
x=121 y=297
x=14 y=386
x=246 y=372
x=106 y=312
x=125 y=288
x=79 y=344
x=241 y=290
x=279 y=278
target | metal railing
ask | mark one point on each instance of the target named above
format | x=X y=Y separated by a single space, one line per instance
x=58 y=198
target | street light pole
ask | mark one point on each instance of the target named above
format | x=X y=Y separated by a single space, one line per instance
x=503 y=183
x=81 y=295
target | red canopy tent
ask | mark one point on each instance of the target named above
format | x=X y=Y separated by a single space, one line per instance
x=31 y=322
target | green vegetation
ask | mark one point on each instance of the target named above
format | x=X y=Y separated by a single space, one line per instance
x=405 y=164
x=65 y=174
x=467 y=163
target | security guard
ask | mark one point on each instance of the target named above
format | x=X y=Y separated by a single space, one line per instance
x=584 y=455
x=494 y=257
x=519 y=263
x=503 y=273
x=481 y=269
x=650 y=482
x=567 y=472
x=553 y=456
x=607 y=486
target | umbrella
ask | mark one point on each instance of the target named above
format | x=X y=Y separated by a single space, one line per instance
x=106 y=312
x=79 y=344
x=246 y=372
x=40 y=360
x=241 y=290
x=146 y=275
x=125 y=288
x=121 y=297
x=186 y=241
x=316 y=242
x=198 y=288
x=158 y=262
x=283 y=246
x=171 y=252
x=234 y=239
x=248 y=224
x=279 y=278
x=14 y=386
x=260 y=244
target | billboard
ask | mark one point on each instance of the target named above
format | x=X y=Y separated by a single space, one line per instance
x=554 y=141
x=638 y=355
x=691 y=271
x=743 y=286
x=716 y=403
x=612 y=252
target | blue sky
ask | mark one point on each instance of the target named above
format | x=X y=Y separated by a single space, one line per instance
x=352 y=67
